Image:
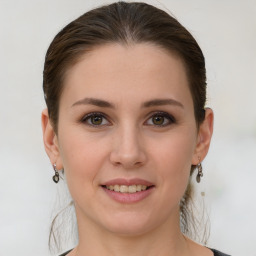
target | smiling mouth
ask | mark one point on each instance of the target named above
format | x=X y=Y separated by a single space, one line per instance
x=127 y=189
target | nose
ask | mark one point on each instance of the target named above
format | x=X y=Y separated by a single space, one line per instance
x=127 y=149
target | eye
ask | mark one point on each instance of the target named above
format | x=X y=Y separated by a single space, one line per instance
x=161 y=119
x=95 y=119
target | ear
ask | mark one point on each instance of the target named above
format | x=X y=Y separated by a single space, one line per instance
x=204 y=137
x=50 y=140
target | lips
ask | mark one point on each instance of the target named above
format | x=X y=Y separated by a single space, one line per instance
x=128 y=191
x=127 y=182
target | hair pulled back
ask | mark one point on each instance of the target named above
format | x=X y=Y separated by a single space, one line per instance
x=124 y=23
x=127 y=24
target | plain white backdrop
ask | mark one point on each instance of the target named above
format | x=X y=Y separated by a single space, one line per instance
x=226 y=32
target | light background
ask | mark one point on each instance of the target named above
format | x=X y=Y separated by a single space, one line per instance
x=226 y=32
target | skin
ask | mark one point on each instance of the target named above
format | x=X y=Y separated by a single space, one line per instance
x=128 y=144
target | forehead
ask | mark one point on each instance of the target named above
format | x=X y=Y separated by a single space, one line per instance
x=119 y=71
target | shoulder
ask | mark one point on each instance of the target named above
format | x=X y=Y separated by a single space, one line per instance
x=65 y=253
x=218 y=253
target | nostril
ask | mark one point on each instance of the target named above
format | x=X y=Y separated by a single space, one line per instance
x=116 y=163
x=128 y=159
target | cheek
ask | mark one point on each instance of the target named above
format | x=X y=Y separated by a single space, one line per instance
x=179 y=156
x=174 y=158
x=82 y=158
x=175 y=151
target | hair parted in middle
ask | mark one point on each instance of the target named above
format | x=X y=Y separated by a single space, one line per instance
x=126 y=24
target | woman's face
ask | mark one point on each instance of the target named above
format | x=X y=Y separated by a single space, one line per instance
x=126 y=122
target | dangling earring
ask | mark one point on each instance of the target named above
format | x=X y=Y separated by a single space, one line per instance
x=200 y=172
x=56 y=176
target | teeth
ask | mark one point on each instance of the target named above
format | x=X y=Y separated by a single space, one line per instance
x=127 y=189
x=132 y=189
x=116 y=188
x=139 y=188
x=123 y=189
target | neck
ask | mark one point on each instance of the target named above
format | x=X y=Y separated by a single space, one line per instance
x=166 y=239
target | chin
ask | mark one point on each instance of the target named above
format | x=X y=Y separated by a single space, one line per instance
x=129 y=225
x=129 y=231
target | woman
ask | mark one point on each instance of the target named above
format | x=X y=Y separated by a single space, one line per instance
x=125 y=89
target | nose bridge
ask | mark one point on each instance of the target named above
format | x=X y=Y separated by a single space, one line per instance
x=127 y=146
x=129 y=140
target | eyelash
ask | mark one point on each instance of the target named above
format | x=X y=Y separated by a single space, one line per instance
x=170 y=119
x=94 y=114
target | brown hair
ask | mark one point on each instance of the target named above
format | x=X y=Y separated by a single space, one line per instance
x=125 y=23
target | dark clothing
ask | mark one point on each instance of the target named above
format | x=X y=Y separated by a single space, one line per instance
x=216 y=253
x=65 y=253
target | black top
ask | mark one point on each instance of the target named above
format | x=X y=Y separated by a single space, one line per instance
x=215 y=253
x=218 y=253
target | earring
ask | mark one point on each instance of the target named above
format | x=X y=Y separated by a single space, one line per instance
x=56 y=176
x=200 y=172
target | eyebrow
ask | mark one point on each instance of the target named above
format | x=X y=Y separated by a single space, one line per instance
x=161 y=102
x=106 y=104
x=95 y=102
